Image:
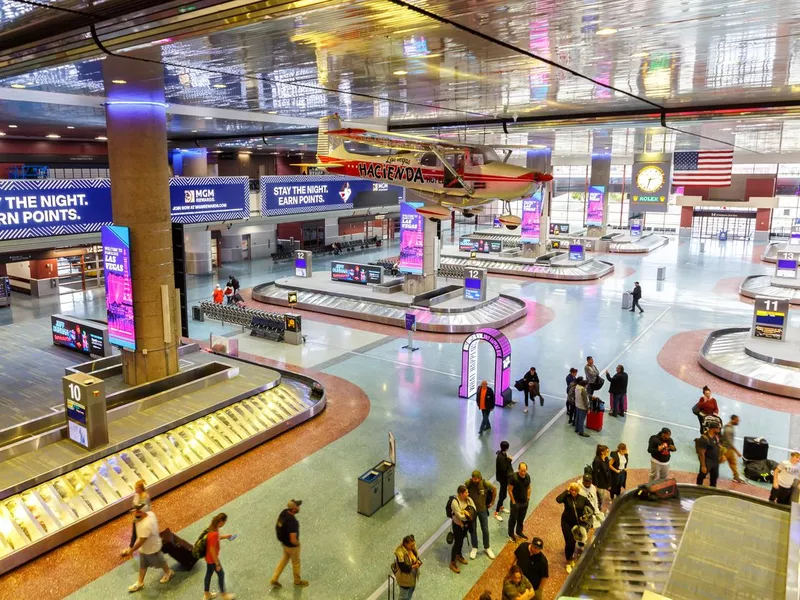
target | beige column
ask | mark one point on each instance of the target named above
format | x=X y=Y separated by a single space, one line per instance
x=137 y=154
x=195 y=163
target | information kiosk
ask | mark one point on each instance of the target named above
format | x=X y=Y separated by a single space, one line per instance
x=786 y=265
x=474 y=284
x=302 y=263
x=770 y=319
x=85 y=410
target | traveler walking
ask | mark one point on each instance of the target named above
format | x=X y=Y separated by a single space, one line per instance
x=462 y=512
x=287 y=530
x=531 y=381
x=519 y=492
x=587 y=489
x=228 y=293
x=592 y=376
x=783 y=478
x=618 y=465
x=406 y=567
x=707 y=405
x=217 y=295
x=212 y=557
x=503 y=470
x=482 y=493
x=516 y=586
x=601 y=475
x=618 y=389
x=581 y=406
x=732 y=454
x=577 y=513
x=660 y=447
x=532 y=562
x=485 y=400
x=572 y=377
x=233 y=282
x=140 y=496
x=637 y=295
x=707 y=446
x=148 y=543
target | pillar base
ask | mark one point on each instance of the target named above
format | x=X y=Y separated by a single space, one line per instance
x=761 y=237
x=413 y=285
x=685 y=232
x=533 y=250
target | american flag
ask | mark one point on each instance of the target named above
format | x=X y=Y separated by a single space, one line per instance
x=711 y=168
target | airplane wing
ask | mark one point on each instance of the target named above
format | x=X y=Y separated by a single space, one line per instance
x=396 y=141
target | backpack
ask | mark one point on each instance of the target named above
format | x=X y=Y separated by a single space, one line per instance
x=759 y=470
x=448 y=509
x=199 y=548
x=712 y=419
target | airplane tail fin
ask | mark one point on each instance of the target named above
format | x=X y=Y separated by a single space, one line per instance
x=326 y=144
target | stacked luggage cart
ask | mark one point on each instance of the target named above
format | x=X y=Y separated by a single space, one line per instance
x=269 y=325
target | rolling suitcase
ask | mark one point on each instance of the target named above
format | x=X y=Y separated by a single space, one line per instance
x=594 y=420
x=177 y=548
x=755 y=448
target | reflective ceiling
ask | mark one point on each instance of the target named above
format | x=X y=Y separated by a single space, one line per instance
x=616 y=63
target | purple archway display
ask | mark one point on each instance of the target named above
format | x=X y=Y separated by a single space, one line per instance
x=502 y=365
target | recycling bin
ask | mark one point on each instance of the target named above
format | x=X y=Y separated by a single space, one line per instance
x=386 y=469
x=369 y=492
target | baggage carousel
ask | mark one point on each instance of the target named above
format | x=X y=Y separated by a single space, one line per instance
x=770 y=253
x=554 y=265
x=645 y=546
x=51 y=490
x=764 y=365
x=768 y=286
x=627 y=244
x=442 y=311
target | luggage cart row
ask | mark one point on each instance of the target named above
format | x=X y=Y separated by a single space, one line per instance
x=46 y=509
x=496 y=313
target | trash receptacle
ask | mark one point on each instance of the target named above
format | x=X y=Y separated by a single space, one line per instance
x=702 y=246
x=662 y=273
x=627 y=300
x=386 y=469
x=369 y=492
x=197 y=314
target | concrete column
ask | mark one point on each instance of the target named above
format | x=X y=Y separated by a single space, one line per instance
x=195 y=163
x=600 y=176
x=231 y=246
x=136 y=122
x=262 y=241
x=687 y=217
x=197 y=247
x=417 y=284
x=331 y=230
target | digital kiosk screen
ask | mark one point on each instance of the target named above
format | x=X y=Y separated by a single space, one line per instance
x=769 y=324
x=575 y=252
x=472 y=289
x=300 y=267
x=559 y=228
x=352 y=273
x=495 y=246
x=794 y=240
x=786 y=268
x=76 y=411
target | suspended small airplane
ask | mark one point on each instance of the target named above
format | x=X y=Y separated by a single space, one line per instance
x=449 y=175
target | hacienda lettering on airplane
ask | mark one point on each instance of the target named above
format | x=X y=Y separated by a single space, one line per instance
x=391 y=172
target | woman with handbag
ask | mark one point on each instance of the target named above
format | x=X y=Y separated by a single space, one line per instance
x=577 y=509
x=601 y=475
x=707 y=405
x=618 y=465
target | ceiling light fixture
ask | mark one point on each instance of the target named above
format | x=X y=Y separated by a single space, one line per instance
x=606 y=31
x=12 y=126
x=119 y=81
x=53 y=136
x=219 y=86
x=2 y=133
x=272 y=112
x=400 y=72
x=639 y=55
x=70 y=127
x=17 y=86
x=208 y=118
x=194 y=130
x=101 y=138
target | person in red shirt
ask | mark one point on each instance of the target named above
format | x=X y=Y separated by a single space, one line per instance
x=212 y=557
x=218 y=295
x=485 y=401
x=707 y=405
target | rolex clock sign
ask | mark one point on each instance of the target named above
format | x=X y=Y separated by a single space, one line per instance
x=651 y=182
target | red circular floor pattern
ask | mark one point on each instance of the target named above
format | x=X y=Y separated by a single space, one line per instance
x=544 y=522
x=678 y=357
x=78 y=562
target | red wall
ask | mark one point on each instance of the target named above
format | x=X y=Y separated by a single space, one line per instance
x=290 y=230
x=351 y=228
x=39 y=268
x=763 y=188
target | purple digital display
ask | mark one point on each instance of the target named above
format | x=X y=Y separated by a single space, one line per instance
x=531 y=219
x=594 y=206
x=412 y=233
x=119 y=286
x=472 y=288
x=787 y=264
x=576 y=252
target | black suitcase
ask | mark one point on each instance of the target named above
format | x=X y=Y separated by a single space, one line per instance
x=755 y=448
x=177 y=548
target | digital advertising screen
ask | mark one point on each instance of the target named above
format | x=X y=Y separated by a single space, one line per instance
x=297 y=194
x=636 y=227
x=355 y=273
x=412 y=240
x=495 y=246
x=594 y=205
x=466 y=244
x=786 y=268
x=79 y=336
x=300 y=268
x=76 y=411
x=576 y=252
x=531 y=219
x=559 y=228
x=119 y=286
x=472 y=289
x=769 y=324
x=207 y=199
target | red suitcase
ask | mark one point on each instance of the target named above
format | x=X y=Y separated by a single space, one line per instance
x=594 y=420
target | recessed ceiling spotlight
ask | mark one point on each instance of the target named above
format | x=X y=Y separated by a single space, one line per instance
x=2 y=133
x=70 y=127
x=194 y=130
x=119 y=81
x=208 y=118
x=606 y=31
x=219 y=86
x=53 y=136
x=639 y=55
x=17 y=86
x=272 y=112
x=101 y=138
x=12 y=126
x=400 y=72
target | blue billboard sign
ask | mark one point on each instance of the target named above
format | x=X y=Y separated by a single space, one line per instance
x=206 y=199
x=297 y=194
x=46 y=207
